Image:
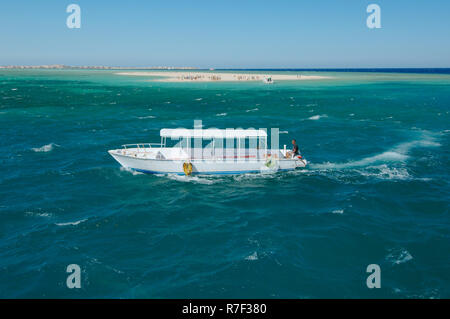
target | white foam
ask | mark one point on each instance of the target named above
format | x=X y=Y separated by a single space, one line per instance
x=263 y=174
x=129 y=170
x=253 y=256
x=146 y=117
x=221 y=114
x=385 y=172
x=191 y=179
x=399 y=256
x=426 y=141
x=71 y=223
x=38 y=214
x=338 y=211
x=45 y=148
x=252 y=110
x=317 y=117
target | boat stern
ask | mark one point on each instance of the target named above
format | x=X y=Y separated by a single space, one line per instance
x=301 y=162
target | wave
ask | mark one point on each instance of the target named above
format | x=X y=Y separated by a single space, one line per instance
x=146 y=117
x=71 y=223
x=38 y=214
x=399 y=256
x=45 y=148
x=253 y=256
x=385 y=172
x=221 y=114
x=317 y=117
x=252 y=110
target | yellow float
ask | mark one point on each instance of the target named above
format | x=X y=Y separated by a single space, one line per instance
x=187 y=168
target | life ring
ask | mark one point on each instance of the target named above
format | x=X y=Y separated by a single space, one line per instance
x=187 y=168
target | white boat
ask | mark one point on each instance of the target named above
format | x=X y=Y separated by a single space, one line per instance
x=268 y=80
x=245 y=152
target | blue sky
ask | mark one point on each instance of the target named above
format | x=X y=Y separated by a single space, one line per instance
x=227 y=33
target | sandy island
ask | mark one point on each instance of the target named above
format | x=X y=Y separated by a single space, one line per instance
x=224 y=77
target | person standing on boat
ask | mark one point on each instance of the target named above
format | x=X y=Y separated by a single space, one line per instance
x=295 y=150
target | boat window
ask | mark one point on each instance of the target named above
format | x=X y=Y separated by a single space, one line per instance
x=229 y=147
x=252 y=145
x=262 y=143
x=207 y=143
x=182 y=142
x=218 y=149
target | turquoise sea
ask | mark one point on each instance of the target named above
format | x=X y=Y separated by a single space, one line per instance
x=376 y=191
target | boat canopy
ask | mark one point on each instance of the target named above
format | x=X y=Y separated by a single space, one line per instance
x=212 y=133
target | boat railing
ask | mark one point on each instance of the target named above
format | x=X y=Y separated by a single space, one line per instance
x=142 y=146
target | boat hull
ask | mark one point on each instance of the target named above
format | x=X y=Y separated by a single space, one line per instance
x=206 y=167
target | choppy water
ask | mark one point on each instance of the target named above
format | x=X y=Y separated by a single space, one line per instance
x=377 y=190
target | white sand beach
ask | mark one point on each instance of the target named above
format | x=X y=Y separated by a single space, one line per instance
x=176 y=76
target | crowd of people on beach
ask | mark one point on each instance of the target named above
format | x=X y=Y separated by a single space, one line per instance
x=199 y=77
x=214 y=77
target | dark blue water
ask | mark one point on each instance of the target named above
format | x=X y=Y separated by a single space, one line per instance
x=368 y=70
x=376 y=192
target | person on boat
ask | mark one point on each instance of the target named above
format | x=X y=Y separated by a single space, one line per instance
x=295 y=151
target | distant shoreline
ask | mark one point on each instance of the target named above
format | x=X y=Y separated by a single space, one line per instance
x=365 y=70
x=69 y=67
x=177 y=76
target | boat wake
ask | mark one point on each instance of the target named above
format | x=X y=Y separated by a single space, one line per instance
x=386 y=157
x=400 y=153
x=192 y=179
x=388 y=165
x=131 y=171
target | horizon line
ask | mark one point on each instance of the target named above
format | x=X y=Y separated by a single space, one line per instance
x=64 y=66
